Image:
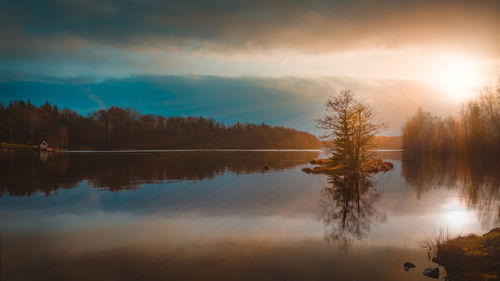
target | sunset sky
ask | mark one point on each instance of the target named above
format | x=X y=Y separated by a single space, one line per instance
x=257 y=61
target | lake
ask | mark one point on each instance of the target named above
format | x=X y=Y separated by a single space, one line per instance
x=229 y=215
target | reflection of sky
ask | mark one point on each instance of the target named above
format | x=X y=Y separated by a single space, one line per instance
x=276 y=202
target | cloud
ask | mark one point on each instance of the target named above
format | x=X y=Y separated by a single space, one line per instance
x=288 y=101
x=98 y=100
x=60 y=27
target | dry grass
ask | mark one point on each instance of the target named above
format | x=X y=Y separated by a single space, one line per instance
x=469 y=257
x=322 y=162
x=435 y=241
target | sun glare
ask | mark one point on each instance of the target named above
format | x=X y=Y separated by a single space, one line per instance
x=456 y=76
x=455 y=215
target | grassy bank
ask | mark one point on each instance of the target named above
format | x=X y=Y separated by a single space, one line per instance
x=469 y=257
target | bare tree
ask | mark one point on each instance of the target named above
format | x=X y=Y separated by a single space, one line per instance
x=351 y=126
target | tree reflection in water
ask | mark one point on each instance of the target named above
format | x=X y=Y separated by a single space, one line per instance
x=347 y=208
x=479 y=183
x=24 y=174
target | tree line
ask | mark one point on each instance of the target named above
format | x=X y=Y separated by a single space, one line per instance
x=125 y=128
x=475 y=132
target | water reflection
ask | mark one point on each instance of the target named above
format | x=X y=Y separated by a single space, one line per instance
x=245 y=223
x=478 y=182
x=33 y=172
x=347 y=208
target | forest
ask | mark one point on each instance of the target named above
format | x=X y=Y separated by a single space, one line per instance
x=474 y=132
x=125 y=128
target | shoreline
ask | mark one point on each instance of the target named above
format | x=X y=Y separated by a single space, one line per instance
x=470 y=257
x=8 y=147
x=193 y=150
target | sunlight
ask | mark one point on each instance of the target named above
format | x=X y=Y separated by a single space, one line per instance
x=457 y=76
x=454 y=214
x=457 y=217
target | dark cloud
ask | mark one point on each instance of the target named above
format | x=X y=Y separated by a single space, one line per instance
x=288 y=101
x=58 y=27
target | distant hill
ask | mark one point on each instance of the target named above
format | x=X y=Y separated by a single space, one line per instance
x=384 y=142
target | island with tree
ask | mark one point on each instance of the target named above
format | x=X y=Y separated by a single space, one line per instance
x=351 y=126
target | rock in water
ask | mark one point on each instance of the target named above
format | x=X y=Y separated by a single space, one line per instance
x=431 y=272
x=408 y=265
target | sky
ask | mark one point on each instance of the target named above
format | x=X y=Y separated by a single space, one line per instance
x=249 y=61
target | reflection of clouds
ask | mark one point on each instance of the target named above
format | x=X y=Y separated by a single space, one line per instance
x=187 y=228
x=119 y=255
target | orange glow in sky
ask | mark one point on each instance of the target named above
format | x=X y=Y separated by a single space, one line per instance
x=457 y=76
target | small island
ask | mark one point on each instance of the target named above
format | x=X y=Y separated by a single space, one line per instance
x=327 y=166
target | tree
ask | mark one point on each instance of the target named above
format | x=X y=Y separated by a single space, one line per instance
x=351 y=126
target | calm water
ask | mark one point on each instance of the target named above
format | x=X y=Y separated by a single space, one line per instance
x=201 y=215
